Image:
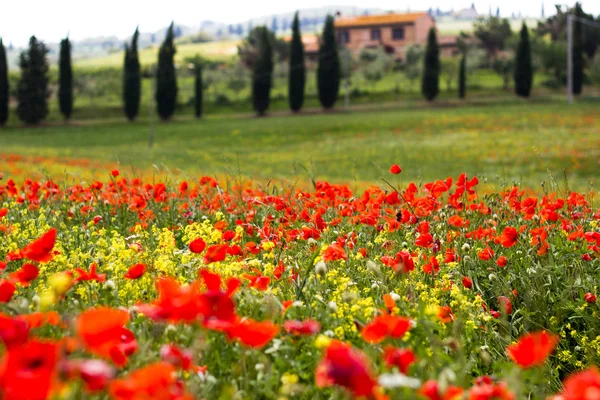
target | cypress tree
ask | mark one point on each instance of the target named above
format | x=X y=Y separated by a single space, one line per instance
x=462 y=77
x=198 y=91
x=297 y=75
x=328 y=71
x=430 y=86
x=32 y=90
x=262 y=75
x=523 y=65
x=65 y=79
x=4 y=92
x=578 y=53
x=166 y=77
x=132 y=79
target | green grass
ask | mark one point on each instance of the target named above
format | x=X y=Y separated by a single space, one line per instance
x=213 y=50
x=513 y=141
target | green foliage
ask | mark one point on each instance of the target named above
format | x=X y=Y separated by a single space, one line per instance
x=556 y=27
x=297 y=68
x=375 y=64
x=430 y=84
x=4 y=85
x=328 y=71
x=249 y=49
x=578 y=62
x=32 y=91
x=132 y=79
x=262 y=77
x=449 y=73
x=198 y=91
x=237 y=80
x=462 y=77
x=65 y=80
x=492 y=32
x=504 y=65
x=413 y=64
x=166 y=77
x=595 y=69
x=523 y=65
x=552 y=56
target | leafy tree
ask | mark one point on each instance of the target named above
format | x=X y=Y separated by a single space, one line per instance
x=595 y=69
x=297 y=75
x=65 y=80
x=328 y=70
x=132 y=78
x=504 y=66
x=449 y=71
x=462 y=77
x=262 y=77
x=556 y=27
x=249 y=49
x=198 y=90
x=413 y=64
x=523 y=65
x=237 y=80
x=492 y=33
x=166 y=77
x=578 y=64
x=4 y=86
x=32 y=90
x=430 y=84
x=552 y=58
x=375 y=64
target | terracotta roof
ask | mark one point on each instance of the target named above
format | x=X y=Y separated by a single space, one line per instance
x=374 y=20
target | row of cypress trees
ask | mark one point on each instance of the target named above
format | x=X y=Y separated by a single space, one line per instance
x=523 y=74
x=328 y=70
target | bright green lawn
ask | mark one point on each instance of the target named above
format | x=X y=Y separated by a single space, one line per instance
x=508 y=142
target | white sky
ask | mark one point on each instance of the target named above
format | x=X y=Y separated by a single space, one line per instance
x=50 y=20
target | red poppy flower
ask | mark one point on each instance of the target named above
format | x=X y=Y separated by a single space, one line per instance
x=26 y=274
x=92 y=275
x=215 y=253
x=197 y=246
x=154 y=381
x=29 y=370
x=467 y=282
x=216 y=305
x=7 y=289
x=590 y=298
x=384 y=326
x=584 y=385
x=136 y=271
x=3 y=265
x=532 y=349
x=445 y=314
x=308 y=327
x=3 y=212
x=40 y=250
x=347 y=367
x=176 y=356
x=505 y=304
x=114 y=172
x=38 y=319
x=96 y=374
x=175 y=303
x=102 y=332
x=490 y=391
x=334 y=252
x=509 y=237
x=395 y=169
x=13 y=331
x=502 y=261
x=431 y=390
x=252 y=333
x=486 y=254
x=401 y=358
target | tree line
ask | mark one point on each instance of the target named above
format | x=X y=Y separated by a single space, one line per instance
x=262 y=48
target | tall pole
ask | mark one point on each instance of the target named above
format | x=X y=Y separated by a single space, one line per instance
x=570 y=58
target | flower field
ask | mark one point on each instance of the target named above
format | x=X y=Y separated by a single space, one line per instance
x=124 y=288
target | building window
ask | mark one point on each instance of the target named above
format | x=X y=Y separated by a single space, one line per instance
x=398 y=33
x=376 y=34
x=344 y=37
